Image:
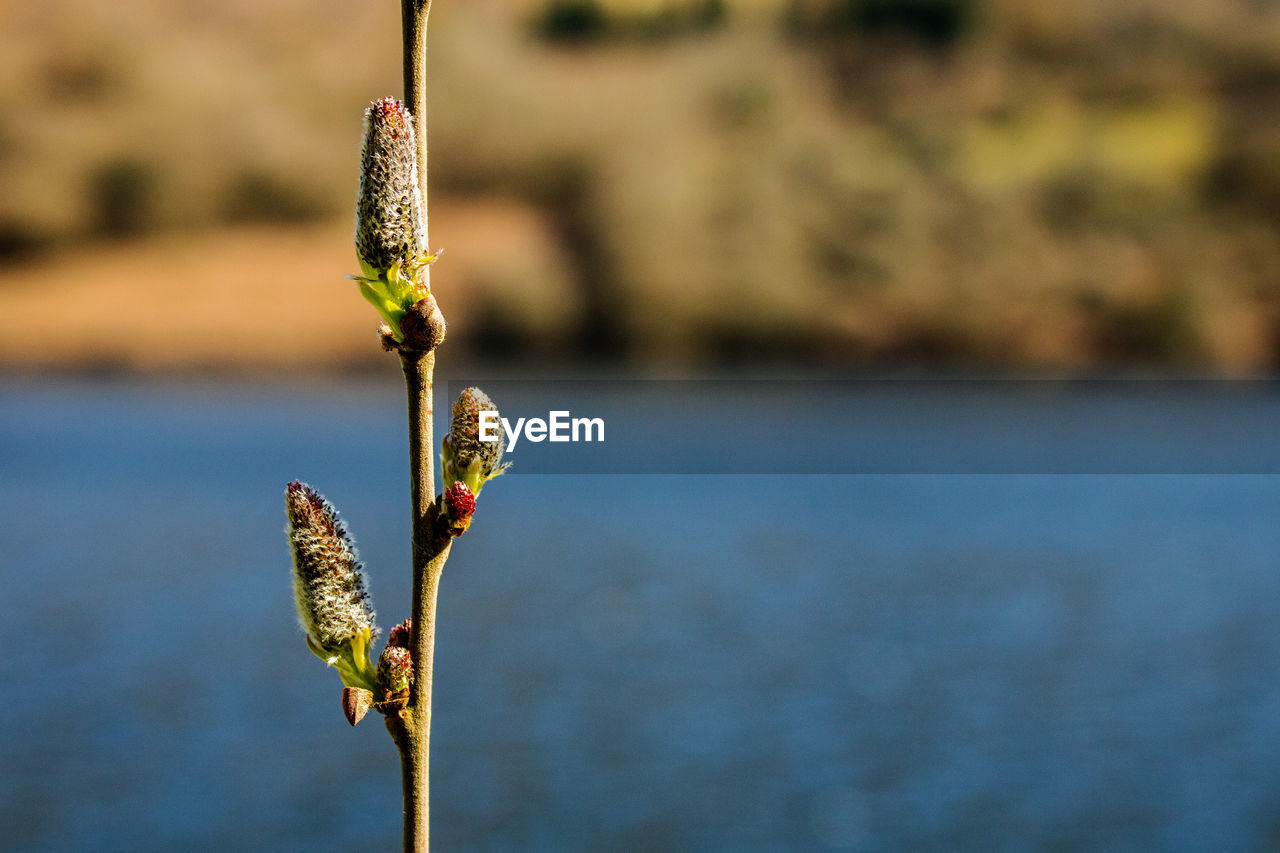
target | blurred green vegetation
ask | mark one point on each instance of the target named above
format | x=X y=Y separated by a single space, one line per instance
x=978 y=182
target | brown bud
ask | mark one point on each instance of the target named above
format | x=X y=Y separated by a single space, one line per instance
x=356 y=702
x=423 y=326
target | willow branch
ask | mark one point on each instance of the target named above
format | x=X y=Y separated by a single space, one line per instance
x=411 y=727
x=413 y=19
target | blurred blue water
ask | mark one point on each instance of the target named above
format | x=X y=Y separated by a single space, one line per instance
x=628 y=662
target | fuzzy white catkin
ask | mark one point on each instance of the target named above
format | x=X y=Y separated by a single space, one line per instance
x=328 y=580
x=464 y=433
x=390 y=228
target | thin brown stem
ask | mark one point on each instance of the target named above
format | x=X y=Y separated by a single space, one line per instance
x=411 y=727
x=413 y=21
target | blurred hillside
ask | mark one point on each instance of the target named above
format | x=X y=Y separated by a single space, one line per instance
x=981 y=182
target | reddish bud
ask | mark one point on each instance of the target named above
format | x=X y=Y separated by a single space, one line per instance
x=459 y=504
x=400 y=634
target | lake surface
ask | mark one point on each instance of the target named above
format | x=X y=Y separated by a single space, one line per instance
x=919 y=661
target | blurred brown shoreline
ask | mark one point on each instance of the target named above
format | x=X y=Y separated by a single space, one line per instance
x=997 y=184
x=241 y=300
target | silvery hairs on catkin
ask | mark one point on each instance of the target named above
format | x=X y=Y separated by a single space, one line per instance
x=464 y=433
x=328 y=580
x=389 y=222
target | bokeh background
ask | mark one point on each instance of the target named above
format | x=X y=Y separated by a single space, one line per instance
x=645 y=187
x=989 y=182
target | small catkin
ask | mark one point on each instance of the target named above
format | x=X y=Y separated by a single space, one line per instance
x=395 y=671
x=390 y=229
x=464 y=434
x=328 y=580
